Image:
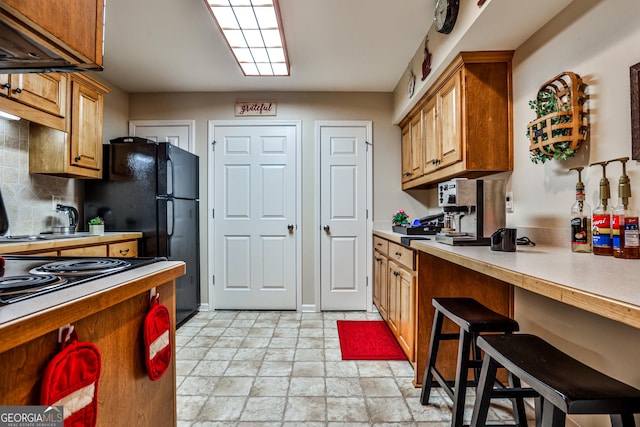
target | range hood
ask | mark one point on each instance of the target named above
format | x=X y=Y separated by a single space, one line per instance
x=18 y=54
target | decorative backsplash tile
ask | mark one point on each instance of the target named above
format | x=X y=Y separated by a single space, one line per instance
x=30 y=199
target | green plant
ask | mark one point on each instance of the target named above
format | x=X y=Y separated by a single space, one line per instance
x=547 y=103
x=400 y=218
x=96 y=221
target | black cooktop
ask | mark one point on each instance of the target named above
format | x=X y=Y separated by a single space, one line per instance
x=27 y=276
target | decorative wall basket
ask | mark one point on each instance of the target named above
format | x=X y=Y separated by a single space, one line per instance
x=561 y=126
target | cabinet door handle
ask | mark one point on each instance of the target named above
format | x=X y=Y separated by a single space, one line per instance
x=407 y=174
x=77 y=158
x=123 y=252
x=6 y=86
x=17 y=90
x=398 y=254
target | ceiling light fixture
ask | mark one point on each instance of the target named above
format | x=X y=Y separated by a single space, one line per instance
x=253 y=31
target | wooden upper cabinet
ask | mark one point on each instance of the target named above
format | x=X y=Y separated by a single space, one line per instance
x=412 y=159
x=86 y=124
x=431 y=135
x=76 y=152
x=467 y=120
x=72 y=29
x=46 y=92
x=39 y=98
x=406 y=153
x=450 y=122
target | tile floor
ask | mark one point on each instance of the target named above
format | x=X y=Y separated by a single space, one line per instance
x=245 y=368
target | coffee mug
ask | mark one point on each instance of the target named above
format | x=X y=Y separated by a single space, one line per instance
x=504 y=239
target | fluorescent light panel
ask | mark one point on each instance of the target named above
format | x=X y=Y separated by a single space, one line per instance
x=252 y=31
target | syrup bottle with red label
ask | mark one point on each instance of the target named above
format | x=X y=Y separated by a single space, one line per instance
x=601 y=218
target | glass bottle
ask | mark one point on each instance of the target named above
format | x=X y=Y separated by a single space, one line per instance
x=601 y=219
x=580 y=219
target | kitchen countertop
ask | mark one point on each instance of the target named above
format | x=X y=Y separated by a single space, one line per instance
x=602 y=285
x=65 y=242
x=23 y=321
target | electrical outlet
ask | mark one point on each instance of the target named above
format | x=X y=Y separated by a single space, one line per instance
x=508 y=201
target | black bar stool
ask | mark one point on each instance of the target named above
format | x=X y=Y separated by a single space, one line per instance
x=473 y=319
x=565 y=385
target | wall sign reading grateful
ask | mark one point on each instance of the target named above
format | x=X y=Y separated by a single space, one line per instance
x=256 y=108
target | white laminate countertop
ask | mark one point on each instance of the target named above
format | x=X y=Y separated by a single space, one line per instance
x=603 y=285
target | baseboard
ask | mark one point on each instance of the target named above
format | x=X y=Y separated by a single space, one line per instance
x=203 y=307
x=308 y=308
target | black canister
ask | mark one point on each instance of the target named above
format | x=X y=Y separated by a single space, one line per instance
x=504 y=239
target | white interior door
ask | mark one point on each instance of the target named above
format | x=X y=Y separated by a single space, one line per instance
x=255 y=216
x=178 y=132
x=343 y=215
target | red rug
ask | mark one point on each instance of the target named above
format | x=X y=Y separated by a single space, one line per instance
x=368 y=340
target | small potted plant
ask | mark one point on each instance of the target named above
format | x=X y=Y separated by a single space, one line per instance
x=400 y=218
x=96 y=226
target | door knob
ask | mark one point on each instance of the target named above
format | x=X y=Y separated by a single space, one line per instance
x=326 y=228
x=290 y=227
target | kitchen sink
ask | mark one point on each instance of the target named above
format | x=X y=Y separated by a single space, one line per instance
x=24 y=238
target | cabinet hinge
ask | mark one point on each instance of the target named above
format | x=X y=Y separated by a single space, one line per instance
x=367 y=214
x=213 y=279
x=213 y=213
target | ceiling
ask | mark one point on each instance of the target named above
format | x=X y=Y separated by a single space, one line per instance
x=333 y=45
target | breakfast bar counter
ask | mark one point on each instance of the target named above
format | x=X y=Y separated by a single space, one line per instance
x=602 y=285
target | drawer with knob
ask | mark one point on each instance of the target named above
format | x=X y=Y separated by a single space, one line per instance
x=124 y=249
x=402 y=255
x=381 y=245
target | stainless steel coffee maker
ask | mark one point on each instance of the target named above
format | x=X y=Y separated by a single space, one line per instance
x=474 y=209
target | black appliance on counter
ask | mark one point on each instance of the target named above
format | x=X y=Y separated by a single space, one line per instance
x=152 y=187
x=27 y=276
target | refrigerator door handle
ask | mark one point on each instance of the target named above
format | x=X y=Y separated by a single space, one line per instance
x=171 y=224
x=172 y=179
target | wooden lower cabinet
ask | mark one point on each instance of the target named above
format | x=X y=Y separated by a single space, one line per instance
x=403 y=294
x=127 y=249
x=402 y=306
x=120 y=249
x=394 y=291
x=380 y=286
x=406 y=312
x=98 y=250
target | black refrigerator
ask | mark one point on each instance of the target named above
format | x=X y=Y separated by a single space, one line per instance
x=152 y=187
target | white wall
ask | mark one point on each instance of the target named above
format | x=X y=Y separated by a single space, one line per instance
x=599 y=40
